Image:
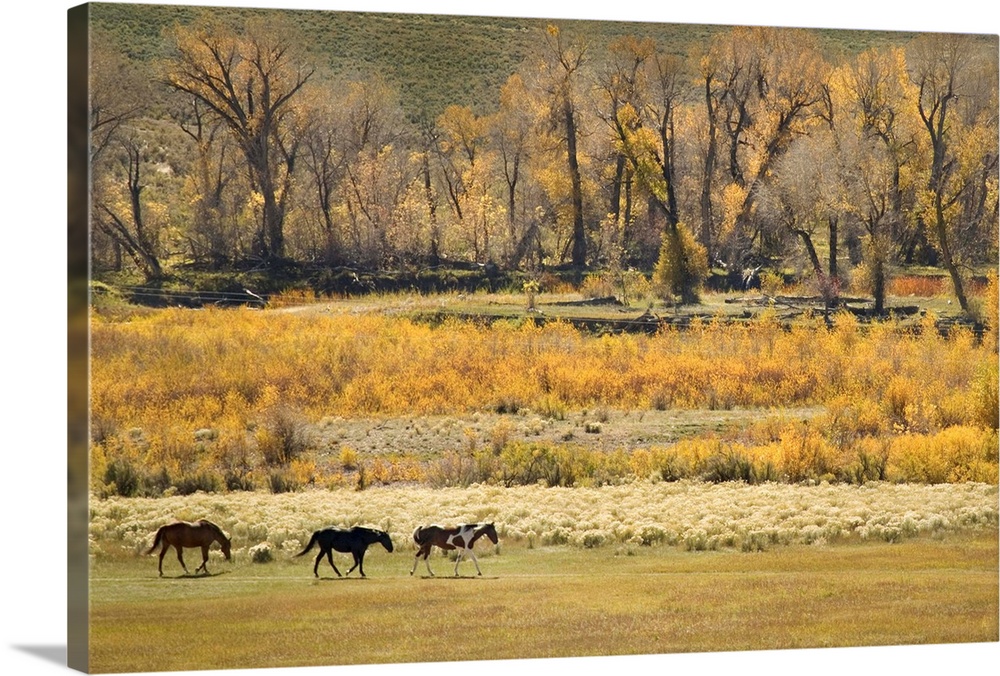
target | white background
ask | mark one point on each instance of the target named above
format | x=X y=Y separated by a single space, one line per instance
x=33 y=377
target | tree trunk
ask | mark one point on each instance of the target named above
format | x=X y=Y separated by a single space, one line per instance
x=615 y=207
x=878 y=284
x=811 y=250
x=667 y=171
x=832 y=222
x=941 y=227
x=435 y=246
x=579 y=251
x=707 y=173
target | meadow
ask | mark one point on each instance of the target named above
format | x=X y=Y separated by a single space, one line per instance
x=729 y=486
x=546 y=602
x=644 y=569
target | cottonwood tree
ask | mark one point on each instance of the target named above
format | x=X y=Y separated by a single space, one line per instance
x=942 y=68
x=465 y=163
x=120 y=213
x=378 y=171
x=645 y=90
x=766 y=89
x=803 y=191
x=559 y=71
x=209 y=240
x=871 y=198
x=249 y=80
x=324 y=156
x=875 y=92
x=460 y=141
x=622 y=83
x=118 y=95
x=711 y=93
x=977 y=149
x=876 y=136
x=510 y=130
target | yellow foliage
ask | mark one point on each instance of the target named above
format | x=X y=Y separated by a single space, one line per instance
x=682 y=265
x=956 y=454
x=348 y=457
x=257 y=381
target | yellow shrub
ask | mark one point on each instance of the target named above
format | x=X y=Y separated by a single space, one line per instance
x=958 y=453
x=805 y=454
x=348 y=458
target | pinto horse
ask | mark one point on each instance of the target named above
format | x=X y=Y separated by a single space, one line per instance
x=180 y=534
x=354 y=541
x=461 y=537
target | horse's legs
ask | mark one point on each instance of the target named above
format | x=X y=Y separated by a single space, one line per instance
x=458 y=559
x=204 y=560
x=180 y=557
x=319 y=557
x=163 y=551
x=359 y=557
x=475 y=561
x=424 y=550
x=329 y=557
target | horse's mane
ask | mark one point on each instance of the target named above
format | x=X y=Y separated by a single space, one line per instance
x=206 y=522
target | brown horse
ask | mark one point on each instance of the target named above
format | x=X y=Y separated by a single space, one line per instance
x=461 y=537
x=182 y=534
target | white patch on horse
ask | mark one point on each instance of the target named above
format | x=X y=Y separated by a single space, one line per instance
x=461 y=538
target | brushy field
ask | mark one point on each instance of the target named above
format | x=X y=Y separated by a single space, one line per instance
x=693 y=516
x=213 y=400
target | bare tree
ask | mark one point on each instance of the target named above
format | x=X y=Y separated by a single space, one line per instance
x=123 y=221
x=941 y=66
x=249 y=81
x=561 y=68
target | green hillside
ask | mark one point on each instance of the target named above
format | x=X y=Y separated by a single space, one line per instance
x=432 y=60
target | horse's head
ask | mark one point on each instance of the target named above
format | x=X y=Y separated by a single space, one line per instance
x=226 y=547
x=385 y=540
x=491 y=532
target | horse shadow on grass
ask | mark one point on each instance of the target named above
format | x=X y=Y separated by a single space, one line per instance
x=459 y=577
x=194 y=576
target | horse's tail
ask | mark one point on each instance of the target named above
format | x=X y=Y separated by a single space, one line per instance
x=309 y=546
x=420 y=535
x=156 y=540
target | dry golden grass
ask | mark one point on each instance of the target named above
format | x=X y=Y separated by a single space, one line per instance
x=542 y=603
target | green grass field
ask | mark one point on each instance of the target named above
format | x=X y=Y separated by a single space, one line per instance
x=541 y=602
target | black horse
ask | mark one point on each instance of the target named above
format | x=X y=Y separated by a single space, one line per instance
x=354 y=541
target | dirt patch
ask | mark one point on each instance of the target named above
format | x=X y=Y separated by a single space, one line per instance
x=429 y=437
